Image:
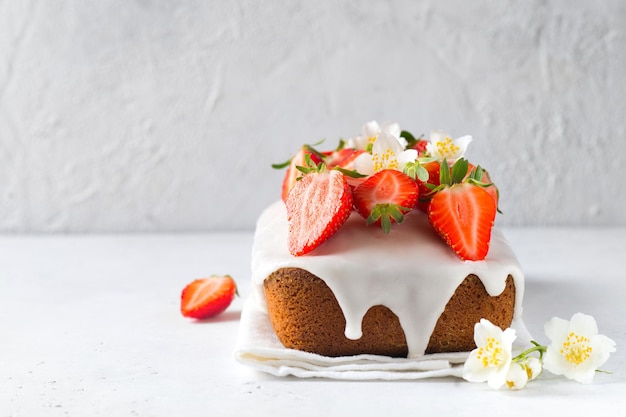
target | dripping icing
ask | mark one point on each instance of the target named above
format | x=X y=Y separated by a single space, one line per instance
x=356 y=270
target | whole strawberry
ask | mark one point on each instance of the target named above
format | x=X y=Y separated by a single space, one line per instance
x=317 y=206
x=462 y=212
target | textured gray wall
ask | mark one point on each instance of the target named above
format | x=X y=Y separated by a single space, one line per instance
x=165 y=115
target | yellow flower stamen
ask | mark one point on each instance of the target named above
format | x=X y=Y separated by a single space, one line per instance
x=491 y=354
x=576 y=349
x=447 y=148
x=529 y=372
x=386 y=160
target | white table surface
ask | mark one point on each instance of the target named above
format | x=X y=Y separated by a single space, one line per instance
x=89 y=325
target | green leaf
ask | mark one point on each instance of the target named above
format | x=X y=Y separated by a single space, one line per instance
x=410 y=169
x=374 y=216
x=422 y=173
x=385 y=223
x=312 y=150
x=444 y=173
x=396 y=212
x=426 y=159
x=459 y=171
x=342 y=144
x=282 y=164
x=477 y=173
x=350 y=173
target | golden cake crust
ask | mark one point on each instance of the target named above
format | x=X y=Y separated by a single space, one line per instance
x=306 y=316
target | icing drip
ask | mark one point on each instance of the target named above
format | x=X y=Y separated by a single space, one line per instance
x=410 y=270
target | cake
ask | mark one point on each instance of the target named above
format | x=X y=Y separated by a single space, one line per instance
x=341 y=276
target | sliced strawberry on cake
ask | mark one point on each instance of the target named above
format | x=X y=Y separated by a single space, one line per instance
x=424 y=187
x=292 y=174
x=343 y=158
x=317 y=206
x=385 y=197
x=483 y=176
x=462 y=212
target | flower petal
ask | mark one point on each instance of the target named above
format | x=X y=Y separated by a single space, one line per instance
x=371 y=129
x=584 y=324
x=386 y=141
x=363 y=164
x=410 y=155
x=392 y=128
x=357 y=142
x=498 y=379
x=438 y=136
x=556 y=329
x=474 y=371
x=463 y=143
x=516 y=377
x=533 y=367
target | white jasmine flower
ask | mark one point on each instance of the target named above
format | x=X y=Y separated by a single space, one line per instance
x=441 y=146
x=491 y=360
x=577 y=350
x=533 y=367
x=371 y=131
x=387 y=153
x=517 y=377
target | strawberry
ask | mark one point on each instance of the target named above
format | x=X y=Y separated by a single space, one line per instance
x=343 y=158
x=462 y=212
x=292 y=174
x=385 y=197
x=207 y=297
x=420 y=146
x=484 y=178
x=317 y=206
x=433 y=168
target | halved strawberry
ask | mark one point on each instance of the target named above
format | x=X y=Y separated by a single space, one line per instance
x=433 y=169
x=343 y=158
x=292 y=174
x=385 y=197
x=463 y=216
x=317 y=206
x=462 y=212
x=207 y=297
x=484 y=178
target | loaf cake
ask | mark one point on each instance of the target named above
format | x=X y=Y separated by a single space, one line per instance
x=383 y=283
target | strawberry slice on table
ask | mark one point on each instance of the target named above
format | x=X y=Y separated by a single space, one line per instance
x=207 y=297
x=317 y=206
x=462 y=212
x=385 y=197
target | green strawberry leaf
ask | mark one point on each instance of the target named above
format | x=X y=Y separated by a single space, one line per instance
x=444 y=173
x=282 y=164
x=459 y=171
x=350 y=173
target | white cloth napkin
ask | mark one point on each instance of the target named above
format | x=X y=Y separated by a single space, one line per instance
x=259 y=348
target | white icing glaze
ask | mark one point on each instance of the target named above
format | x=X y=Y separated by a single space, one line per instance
x=410 y=270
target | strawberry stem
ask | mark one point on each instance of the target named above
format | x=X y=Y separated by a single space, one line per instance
x=385 y=212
